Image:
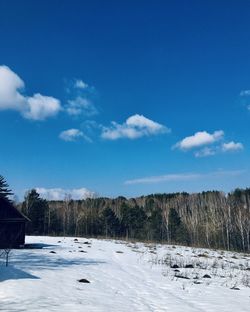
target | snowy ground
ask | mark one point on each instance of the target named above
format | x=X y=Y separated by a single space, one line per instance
x=123 y=277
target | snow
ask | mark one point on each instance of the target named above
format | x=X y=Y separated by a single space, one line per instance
x=124 y=276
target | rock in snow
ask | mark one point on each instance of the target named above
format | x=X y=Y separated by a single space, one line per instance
x=83 y=280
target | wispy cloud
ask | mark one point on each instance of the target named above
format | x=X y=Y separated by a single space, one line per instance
x=164 y=178
x=245 y=93
x=80 y=84
x=245 y=97
x=134 y=127
x=223 y=148
x=71 y=135
x=81 y=106
x=200 y=138
x=81 y=101
x=183 y=177
x=36 y=107
x=205 y=152
x=61 y=194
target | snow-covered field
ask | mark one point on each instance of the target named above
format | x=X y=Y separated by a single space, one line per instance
x=123 y=277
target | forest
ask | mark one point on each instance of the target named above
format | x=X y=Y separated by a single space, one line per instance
x=209 y=219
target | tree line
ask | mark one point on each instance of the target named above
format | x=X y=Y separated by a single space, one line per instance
x=209 y=219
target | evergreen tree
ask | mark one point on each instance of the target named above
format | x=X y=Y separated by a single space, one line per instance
x=133 y=220
x=5 y=192
x=177 y=230
x=156 y=227
x=36 y=210
x=110 y=222
x=174 y=222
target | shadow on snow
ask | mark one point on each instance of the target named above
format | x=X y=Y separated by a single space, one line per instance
x=12 y=273
x=38 y=246
x=22 y=261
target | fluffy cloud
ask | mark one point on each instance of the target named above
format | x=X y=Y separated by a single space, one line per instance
x=134 y=127
x=11 y=86
x=41 y=107
x=183 y=177
x=232 y=146
x=61 y=194
x=36 y=107
x=81 y=106
x=71 y=135
x=199 y=139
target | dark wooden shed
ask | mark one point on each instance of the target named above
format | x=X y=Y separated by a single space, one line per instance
x=12 y=226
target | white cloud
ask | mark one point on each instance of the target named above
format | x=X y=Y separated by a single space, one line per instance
x=61 y=194
x=183 y=177
x=199 y=139
x=224 y=147
x=70 y=135
x=206 y=151
x=142 y=122
x=82 y=97
x=245 y=93
x=134 y=127
x=164 y=178
x=80 y=84
x=81 y=106
x=41 y=107
x=36 y=107
x=232 y=146
x=10 y=87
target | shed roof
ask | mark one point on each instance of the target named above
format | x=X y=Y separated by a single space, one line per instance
x=9 y=212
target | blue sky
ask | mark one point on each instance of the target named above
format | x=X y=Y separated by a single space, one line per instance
x=124 y=97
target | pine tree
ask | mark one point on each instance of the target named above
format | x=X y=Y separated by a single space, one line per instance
x=132 y=219
x=177 y=230
x=110 y=222
x=174 y=222
x=36 y=210
x=5 y=192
